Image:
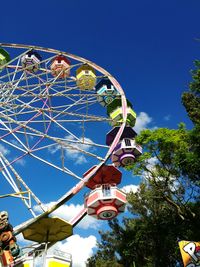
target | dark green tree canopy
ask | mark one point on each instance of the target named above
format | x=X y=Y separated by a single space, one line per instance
x=191 y=99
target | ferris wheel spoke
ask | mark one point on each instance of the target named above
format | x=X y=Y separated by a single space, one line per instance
x=7 y=175
x=68 y=107
x=64 y=169
x=78 y=141
x=67 y=145
x=71 y=134
x=15 y=72
x=12 y=87
x=49 y=146
x=16 y=147
x=88 y=104
x=12 y=132
x=14 y=114
x=57 y=84
x=23 y=105
x=18 y=189
x=76 y=219
x=63 y=144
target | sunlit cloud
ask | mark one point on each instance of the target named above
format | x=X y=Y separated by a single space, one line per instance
x=142 y=122
x=4 y=150
x=68 y=212
x=23 y=242
x=151 y=162
x=81 y=248
x=73 y=151
x=174 y=184
x=21 y=162
x=17 y=143
x=130 y=188
x=167 y=117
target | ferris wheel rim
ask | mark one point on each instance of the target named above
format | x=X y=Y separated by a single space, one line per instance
x=81 y=184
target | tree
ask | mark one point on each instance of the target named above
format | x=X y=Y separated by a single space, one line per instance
x=191 y=99
x=191 y=102
x=166 y=151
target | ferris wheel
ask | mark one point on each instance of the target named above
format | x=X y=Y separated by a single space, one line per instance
x=66 y=114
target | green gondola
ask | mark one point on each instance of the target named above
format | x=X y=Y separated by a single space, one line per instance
x=114 y=111
x=4 y=57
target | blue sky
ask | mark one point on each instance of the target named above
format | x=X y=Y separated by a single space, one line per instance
x=148 y=46
x=150 y=41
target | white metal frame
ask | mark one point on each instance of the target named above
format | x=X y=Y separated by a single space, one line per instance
x=21 y=96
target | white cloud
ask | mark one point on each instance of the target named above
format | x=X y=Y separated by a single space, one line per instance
x=167 y=117
x=174 y=184
x=4 y=150
x=53 y=149
x=21 y=162
x=142 y=122
x=150 y=166
x=81 y=248
x=67 y=212
x=76 y=156
x=17 y=143
x=151 y=163
x=72 y=149
x=23 y=242
x=130 y=188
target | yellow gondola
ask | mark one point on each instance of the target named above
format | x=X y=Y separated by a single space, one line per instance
x=85 y=77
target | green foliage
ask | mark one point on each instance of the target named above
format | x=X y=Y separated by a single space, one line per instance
x=166 y=146
x=191 y=102
x=191 y=99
